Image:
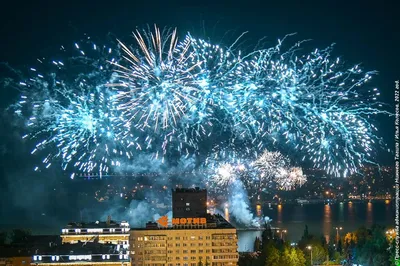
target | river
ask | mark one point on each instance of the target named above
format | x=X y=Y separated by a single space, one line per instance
x=321 y=219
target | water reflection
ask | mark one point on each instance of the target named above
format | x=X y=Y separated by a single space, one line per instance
x=321 y=219
x=388 y=210
x=350 y=212
x=327 y=222
x=369 y=214
x=341 y=212
x=279 y=215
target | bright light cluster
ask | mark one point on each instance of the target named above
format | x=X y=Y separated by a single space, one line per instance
x=172 y=98
x=270 y=169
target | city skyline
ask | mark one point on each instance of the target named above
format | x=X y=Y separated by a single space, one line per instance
x=363 y=33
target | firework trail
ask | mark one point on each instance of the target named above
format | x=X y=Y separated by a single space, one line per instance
x=174 y=97
x=75 y=118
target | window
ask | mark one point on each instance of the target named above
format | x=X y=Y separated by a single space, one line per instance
x=187 y=203
x=192 y=237
x=193 y=251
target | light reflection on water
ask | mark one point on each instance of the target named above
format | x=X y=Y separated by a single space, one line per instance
x=321 y=219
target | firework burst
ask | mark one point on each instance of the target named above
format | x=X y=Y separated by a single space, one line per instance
x=173 y=97
x=75 y=118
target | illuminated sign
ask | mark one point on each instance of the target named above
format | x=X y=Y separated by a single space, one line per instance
x=183 y=221
x=163 y=221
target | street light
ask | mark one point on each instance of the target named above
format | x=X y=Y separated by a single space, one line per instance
x=310 y=248
x=337 y=234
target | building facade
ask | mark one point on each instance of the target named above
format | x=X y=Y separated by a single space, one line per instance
x=185 y=244
x=89 y=254
x=84 y=260
x=108 y=232
x=189 y=202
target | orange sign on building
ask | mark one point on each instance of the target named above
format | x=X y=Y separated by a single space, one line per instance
x=183 y=221
x=163 y=221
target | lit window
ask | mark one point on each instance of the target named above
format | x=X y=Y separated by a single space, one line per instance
x=187 y=203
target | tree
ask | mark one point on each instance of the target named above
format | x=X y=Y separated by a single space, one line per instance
x=300 y=257
x=372 y=247
x=339 y=246
x=305 y=234
x=248 y=259
x=273 y=256
x=266 y=235
x=257 y=244
x=291 y=257
x=337 y=257
x=319 y=254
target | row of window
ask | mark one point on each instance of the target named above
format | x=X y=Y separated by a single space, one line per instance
x=223 y=250
x=222 y=237
x=161 y=258
x=222 y=244
x=225 y=257
x=187 y=251
x=185 y=264
x=146 y=238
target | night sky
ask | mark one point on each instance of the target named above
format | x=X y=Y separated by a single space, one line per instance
x=365 y=32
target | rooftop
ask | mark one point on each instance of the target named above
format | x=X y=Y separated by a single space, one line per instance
x=213 y=222
x=188 y=190
x=98 y=224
